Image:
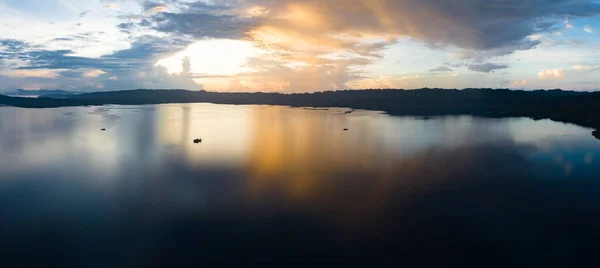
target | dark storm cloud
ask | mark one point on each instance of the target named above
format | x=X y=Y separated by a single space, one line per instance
x=201 y=25
x=487 y=28
x=198 y=19
x=498 y=25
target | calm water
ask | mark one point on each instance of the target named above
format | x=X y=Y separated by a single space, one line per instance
x=277 y=183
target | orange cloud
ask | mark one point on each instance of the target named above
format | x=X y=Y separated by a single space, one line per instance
x=157 y=9
x=320 y=44
x=41 y=73
x=519 y=83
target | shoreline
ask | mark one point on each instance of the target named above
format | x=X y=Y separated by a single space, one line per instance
x=579 y=108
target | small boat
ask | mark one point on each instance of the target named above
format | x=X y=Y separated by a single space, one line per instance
x=197 y=140
x=104 y=129
x=345 y=129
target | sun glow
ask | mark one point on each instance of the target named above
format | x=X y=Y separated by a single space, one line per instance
x=214 y=57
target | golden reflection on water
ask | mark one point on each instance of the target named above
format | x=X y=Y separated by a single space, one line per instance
x=287 y=143
x=273 y=158
x=271 y=178
x=224 y=129
x=297 y=153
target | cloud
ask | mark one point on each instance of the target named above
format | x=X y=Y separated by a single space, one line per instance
x=82 y=73
x=126 y=26
x=409 y=77
x=551 y=74
x=94 y=73
x=256 y=11
x=519 y=83
x=302 y=33
x=568 y=25
x=148 y=48
x=153 y=77
x=486 y=67
x=12 y=46
x=588 y=29
x=273 y=75
x=575 y=71
x=151 y=8
x=201 y=25
x=496 y=26
x=60 y=59
x=142 y=51
x=42 y=73
x=236 y=85
x=480 y=25
x=120 y=70
x=186 y=66
x=149 y=77
x=582 y=67
x=573 y=42
x=83 y=14
x=309 y=44
x=441 y=69
x=112 y=6
x=445 y=75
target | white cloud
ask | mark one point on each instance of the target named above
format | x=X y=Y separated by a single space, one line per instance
x=588 y=29
x=256 y=11
x=575 y=71
x=582 y=67
x=112 y=6
x=94 y=38
x=568 y=25
x=551 y=73
x=543 y=40
x=94 y=73
x=446 y=75
x=585 y=68
x=409 y=77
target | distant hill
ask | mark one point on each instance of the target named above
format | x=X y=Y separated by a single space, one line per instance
x=582 y=108
x=41 y=92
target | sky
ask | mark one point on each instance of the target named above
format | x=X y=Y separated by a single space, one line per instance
x=296 y=46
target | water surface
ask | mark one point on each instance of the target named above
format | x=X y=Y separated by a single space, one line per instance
x=271 y=183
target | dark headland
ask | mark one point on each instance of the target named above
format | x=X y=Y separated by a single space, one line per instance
x=581 y=108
